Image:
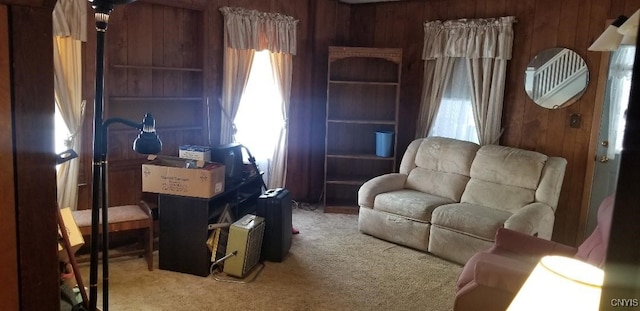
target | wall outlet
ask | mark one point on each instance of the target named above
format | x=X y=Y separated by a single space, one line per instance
x=574 y=120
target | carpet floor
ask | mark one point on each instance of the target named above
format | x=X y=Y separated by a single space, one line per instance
x=331 y=266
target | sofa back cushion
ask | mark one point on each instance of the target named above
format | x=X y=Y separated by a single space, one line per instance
x=504 y=177
x=438 y=166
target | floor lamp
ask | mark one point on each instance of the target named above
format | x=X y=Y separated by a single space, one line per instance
x=146 y=143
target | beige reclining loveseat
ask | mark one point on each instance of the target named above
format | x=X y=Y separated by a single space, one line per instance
x=450 y=196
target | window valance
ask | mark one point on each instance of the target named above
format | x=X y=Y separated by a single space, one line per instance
x=251 y=29
x=70 y=19
x=469 y=38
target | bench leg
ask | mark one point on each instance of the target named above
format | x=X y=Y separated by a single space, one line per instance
x=149 y=246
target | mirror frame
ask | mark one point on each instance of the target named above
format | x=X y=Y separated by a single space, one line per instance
x=553 y=67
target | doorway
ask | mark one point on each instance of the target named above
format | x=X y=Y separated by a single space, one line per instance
x=612 y=122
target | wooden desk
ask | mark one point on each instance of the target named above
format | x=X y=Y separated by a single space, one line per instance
x=183 y=224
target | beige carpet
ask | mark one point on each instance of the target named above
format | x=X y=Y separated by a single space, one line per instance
x=331 y=266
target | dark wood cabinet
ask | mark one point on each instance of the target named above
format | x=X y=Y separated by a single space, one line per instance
x=363 y=88
x=184 y=224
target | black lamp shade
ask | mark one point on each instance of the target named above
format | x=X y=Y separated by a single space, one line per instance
x=147 y=143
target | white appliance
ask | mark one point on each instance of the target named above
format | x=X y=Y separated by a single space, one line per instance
x=244 y=245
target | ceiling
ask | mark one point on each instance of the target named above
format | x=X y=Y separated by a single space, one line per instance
x=364 y=1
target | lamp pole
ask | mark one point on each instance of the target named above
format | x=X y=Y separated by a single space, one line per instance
x=102 y=12
x=147 y=142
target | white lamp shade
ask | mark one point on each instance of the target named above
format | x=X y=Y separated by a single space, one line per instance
x=628 y=40
x=560 y=283
x=609 y=40
x=629 y=29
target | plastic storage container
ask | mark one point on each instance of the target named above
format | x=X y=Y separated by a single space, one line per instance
x=383 y=143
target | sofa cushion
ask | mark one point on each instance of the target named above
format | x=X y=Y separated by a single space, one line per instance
x=504 y=197
x=504 y=177
x=409 y=203
x=440 y=166
x=442 y=184
x=509 y=166
x=474 y=220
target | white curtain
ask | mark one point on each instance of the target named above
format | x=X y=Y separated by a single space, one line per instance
x=247 y=31
x=69 y=27
x=486 y=45
x=282 y=69
x=236 y=66
x=620 y=68
x=70 y=19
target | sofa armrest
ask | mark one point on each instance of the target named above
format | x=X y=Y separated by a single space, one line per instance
x=534 y=219
x=380 y=184
x=523 y=244
x=551 y=181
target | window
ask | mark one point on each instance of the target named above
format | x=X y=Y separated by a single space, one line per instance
x=61 y=133
x=259 y=118
x=621 y=67
x=621 y=115
x=454 y=118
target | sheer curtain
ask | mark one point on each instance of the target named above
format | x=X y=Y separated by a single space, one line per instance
x=247 y=31
x=455 y=114
x=259 y=120
x=69 y=27
x=620 y=68
x=485 y=45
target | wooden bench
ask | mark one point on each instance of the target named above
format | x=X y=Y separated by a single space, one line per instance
x=124 y=218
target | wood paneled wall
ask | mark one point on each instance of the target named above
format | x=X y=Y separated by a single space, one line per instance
x=154 y=63
x=124 y=178
x=541 y=24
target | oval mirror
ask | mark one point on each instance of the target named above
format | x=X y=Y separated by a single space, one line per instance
x=556 y=78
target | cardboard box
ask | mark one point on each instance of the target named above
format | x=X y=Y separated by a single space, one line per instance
x=202 y=153
x=75 y=237
x=184 y=177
